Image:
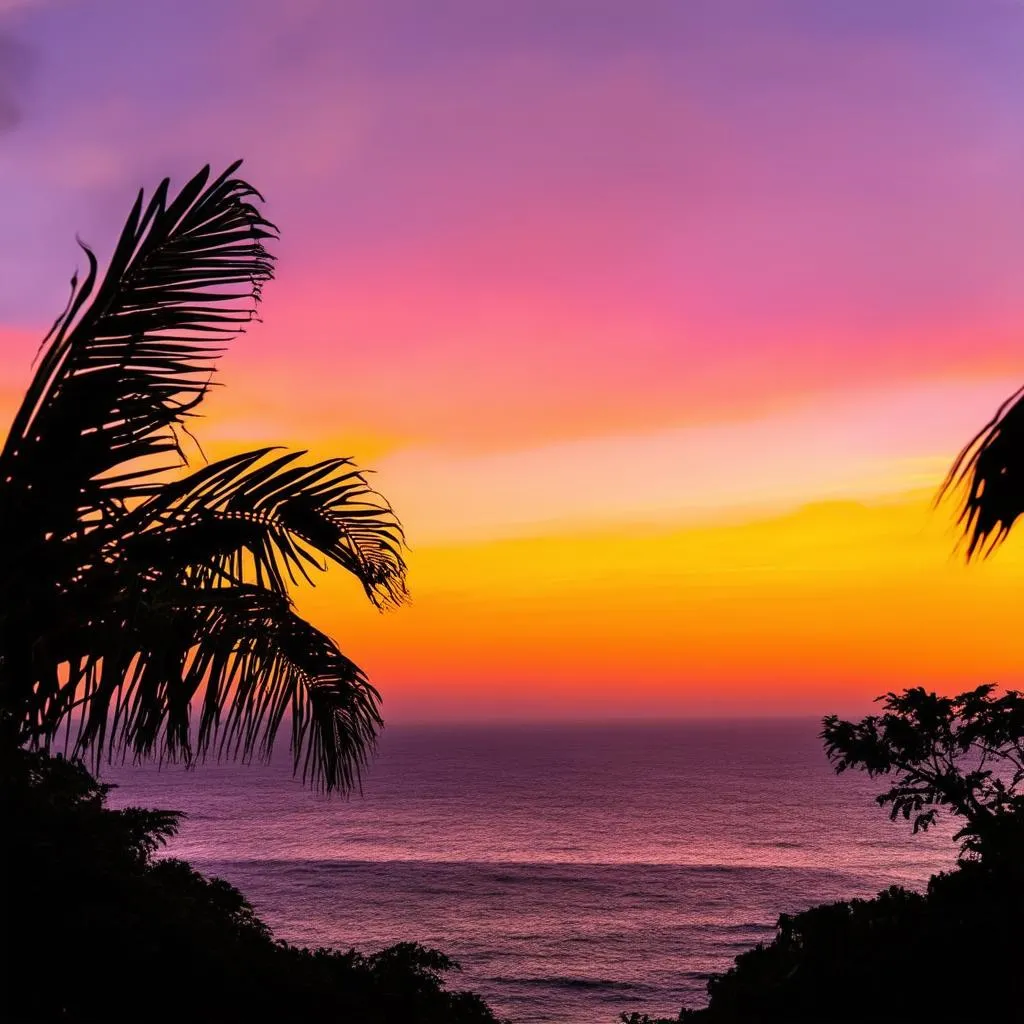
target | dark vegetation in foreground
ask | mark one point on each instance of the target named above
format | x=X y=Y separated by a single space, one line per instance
x=951 y=953
x=99 y=930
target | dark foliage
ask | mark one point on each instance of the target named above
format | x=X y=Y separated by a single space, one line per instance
x=952 y=954
x=97 y=930
x=964 y=753
x=153 y=610
x=643 y=1018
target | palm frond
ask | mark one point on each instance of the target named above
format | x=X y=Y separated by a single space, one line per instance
x=242 y=657
x=989 y=475
x=132 y=354
x=153 y=612
x=245 y=518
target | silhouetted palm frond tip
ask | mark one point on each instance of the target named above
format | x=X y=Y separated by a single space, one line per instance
x=132 y=354
x=127 y=596
x=989 y=474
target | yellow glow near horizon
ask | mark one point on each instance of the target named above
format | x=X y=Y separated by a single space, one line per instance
x=819 y=609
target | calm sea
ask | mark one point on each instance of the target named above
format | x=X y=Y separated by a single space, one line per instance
x=574 y=871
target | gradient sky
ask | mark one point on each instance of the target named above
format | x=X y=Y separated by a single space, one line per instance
x=659 y=321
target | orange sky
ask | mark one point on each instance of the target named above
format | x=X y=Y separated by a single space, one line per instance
x=660 y=323
x=814 y=610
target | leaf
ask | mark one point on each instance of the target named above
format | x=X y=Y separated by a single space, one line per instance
x=247 y=517
x=989 y=473
x=132 y=355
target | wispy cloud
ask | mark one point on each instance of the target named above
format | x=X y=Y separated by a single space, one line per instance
x=8 y=7
x=16 y=60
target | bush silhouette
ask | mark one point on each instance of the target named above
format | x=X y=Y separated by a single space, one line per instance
x=952 y=953
x=98 y=930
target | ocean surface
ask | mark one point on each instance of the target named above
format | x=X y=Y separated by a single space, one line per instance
x=575 y=872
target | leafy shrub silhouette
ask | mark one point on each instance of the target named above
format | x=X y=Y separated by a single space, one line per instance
x=963 y=753
x=99 y=930
x=952 y=953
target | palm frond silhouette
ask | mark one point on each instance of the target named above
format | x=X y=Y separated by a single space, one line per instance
x=130 y=595
x=989 y=475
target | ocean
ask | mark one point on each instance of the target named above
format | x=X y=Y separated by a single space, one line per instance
x=574 y=871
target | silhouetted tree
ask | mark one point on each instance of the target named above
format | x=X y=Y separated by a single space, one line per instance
x=129 y=593
x=964 y=753
x=860 y=960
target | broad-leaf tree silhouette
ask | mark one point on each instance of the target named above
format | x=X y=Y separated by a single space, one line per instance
x=964 y=754
x=147 y=611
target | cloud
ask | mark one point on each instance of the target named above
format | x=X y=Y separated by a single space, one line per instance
x=8 y=7
x=16 y=61
x=866 y=445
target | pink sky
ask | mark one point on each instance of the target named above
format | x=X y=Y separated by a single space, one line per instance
x=560 y=266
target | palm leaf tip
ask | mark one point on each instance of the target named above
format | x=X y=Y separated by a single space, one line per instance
x=132 y=354
x=988 y=477
x=288 y=517
x=218 y=670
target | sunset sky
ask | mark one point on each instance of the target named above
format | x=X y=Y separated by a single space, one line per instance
x=660 y=322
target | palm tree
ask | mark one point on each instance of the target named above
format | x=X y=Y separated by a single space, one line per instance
x=989 y=474
x=130 y=594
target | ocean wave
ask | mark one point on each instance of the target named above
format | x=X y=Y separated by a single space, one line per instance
x=745 y=926
x=512 y=869
x=566 y=981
